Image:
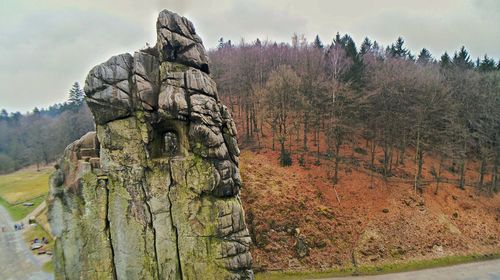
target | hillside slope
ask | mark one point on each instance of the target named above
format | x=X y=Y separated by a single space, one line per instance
x=298 y=223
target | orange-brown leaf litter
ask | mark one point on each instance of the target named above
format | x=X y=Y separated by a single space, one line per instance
x=298 y=223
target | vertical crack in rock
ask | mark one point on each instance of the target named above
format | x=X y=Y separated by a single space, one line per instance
x=166 y=148
x=151 y=225
x=108 y=231
x=174 y=227
x=187 y=96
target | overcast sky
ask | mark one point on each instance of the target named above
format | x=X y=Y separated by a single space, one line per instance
x=47 y=45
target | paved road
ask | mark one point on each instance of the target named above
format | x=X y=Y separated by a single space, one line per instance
x=487 y=270
x=16 y=260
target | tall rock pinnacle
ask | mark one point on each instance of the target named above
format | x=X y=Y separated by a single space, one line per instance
x=154 y=192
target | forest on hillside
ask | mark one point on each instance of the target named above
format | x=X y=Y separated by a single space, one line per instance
x=388 y=98
x=40 y=137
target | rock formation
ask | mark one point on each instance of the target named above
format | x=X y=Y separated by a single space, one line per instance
x=154 y=192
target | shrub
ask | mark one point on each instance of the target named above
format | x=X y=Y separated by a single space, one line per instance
x=302 y=161
x=330 y=153
x=285 y=158
x=360 y=151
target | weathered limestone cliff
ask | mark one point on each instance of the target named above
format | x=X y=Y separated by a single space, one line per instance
x=154 y=192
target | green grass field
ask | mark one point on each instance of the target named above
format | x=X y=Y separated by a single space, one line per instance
x=19 y=211
x=375 y=270
x=26 y=185
x=48 y=266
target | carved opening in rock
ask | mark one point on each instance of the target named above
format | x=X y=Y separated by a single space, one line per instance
x=165 y=142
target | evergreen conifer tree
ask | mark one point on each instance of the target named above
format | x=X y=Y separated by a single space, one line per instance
x=462 y=60
x=487 y=64
x=445 y=61
x=317 y=43
x=398 y=50
x=75 y=95
x=366 y=46
x=424 y=57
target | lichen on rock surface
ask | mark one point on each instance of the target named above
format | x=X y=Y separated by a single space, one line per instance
x=154 y=192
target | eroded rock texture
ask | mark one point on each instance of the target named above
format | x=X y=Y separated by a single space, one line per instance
x=153 y=193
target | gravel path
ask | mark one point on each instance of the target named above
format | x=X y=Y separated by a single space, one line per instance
x=16 y=260
x=487 y=270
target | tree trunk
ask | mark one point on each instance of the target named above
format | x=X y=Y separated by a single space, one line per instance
x=494 y=179
x=438 y=175
x=273 y=129
x=417 y=161
x=482 y=172
x=247 y=122
x=306 y=128
x=373 y=148
x=250 y=121
x=371 y=177
x=258 y=141
x=462 y=169
x=261 y=126
x=254 y=118
x=240 y=106
x=386 y=160
x=297 y=139
x=461 y=182
x=390 y=160
x=315 y=140
x=337 y=159
x=402 y=150
x=231 y=105
x=318 y=149
x=419 y=173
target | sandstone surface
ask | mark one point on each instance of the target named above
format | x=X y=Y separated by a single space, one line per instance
x=154 y=192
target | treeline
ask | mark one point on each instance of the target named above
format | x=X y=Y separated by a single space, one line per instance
x=41 y=135
x=388 y=97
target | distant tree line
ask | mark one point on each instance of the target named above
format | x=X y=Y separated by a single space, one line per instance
x=388 y=97
x=41 y=135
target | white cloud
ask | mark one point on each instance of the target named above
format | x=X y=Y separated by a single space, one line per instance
x=46 y=45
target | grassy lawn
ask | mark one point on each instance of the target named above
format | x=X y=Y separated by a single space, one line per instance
x=373 y=270
x=23 y=186
x=19 y=211
x=48 y=266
